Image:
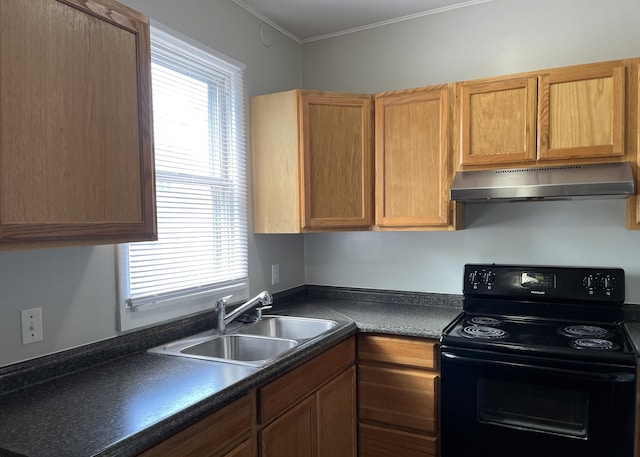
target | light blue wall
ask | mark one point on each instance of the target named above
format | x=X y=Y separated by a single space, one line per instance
x=76 y=287
x=488 y=39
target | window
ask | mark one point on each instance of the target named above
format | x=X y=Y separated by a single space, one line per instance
x=201 y=252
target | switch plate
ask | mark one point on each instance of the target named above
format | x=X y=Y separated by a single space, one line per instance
x=31 y=325
x=275 y=274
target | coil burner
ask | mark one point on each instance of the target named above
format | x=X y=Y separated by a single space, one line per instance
x=485 y=321
x=593 y=343
x=585 y=331
x=484 y=332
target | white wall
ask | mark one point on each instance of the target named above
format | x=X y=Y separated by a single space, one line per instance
x=488 y=39
x=76 y=287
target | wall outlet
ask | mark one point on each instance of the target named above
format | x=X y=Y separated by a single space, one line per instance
x=31 y=325
x=275 y=274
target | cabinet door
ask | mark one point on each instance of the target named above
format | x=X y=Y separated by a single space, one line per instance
x=582 y=112
x=497 y=121
x=337 y=160
x=337 y=416
x=293 y=434
x=413 y=159
x=75 y=123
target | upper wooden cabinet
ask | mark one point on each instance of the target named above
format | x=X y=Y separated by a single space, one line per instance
x=497 y=121
x=561 y=115
x=75 y=124
x=413 y=159
x=312 y=161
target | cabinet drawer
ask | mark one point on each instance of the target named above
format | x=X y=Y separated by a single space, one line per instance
x=209 y=436
x=383 y=442
x=285 y=391
x=402 y=351
x=404 y=397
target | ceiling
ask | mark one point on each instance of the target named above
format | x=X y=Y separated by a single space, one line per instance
x=310 y=20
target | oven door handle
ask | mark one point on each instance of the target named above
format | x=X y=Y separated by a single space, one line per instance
x=586 y=375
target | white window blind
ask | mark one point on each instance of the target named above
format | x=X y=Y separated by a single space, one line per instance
x=201 y=252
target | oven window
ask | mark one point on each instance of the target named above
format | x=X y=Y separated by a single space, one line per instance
x=539 y=408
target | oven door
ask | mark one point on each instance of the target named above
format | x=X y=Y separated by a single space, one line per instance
x=507 y=405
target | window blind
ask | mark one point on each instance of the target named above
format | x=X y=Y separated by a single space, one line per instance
x=201 y=252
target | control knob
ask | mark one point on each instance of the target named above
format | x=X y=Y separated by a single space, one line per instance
x=589 y=283
x=488 y=278
x=608 y=284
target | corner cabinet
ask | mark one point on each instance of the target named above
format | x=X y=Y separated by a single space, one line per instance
x=398 y=397
x=414 y=160
x=75 y=124
x=563 y=115
x=312 y=161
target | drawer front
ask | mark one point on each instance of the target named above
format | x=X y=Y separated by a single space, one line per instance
x=277 y=396
x=384 y=442
x=416 y=352
x=404 y=398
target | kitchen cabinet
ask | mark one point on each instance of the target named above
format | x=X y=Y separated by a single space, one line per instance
x=398 y=385
x=563 y=115
x=312 y=161
x=225 y=433
x=413 y=158
x=632 y=145
x=75 y=124
x=311 y=411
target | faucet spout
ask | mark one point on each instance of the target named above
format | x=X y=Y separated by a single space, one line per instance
x=264 y=298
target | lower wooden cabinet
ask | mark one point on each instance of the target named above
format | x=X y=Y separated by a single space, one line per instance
x=398 y=385
x=311 y=411
x=225 y=433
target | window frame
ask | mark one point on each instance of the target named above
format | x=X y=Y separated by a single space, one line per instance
x=178 y=304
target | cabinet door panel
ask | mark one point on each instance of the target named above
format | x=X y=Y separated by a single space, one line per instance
x=582 y=112
x=293 y=434
x=413 y=158
x=76 y=148
x=337 y=416
x=338 y=163
x=497 y=121
x=401 y=397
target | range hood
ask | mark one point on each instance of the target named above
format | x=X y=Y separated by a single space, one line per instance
x=605 y=180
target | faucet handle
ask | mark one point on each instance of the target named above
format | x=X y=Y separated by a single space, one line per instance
x=221 y=303
x=259 y=310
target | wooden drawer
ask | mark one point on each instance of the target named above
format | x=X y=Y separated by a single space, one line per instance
x=416 y=352
x=209 y=436
x=277 y=396
x=384 y=442
x=401 y=397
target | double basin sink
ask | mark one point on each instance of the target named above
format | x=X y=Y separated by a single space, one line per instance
x=255 y=344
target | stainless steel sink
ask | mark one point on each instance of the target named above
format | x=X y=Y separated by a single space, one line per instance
x=293 y=328
x=242 y=349
x=254 y=344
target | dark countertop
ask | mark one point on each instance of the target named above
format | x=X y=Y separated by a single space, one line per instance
x=115 y=399
x=122 y=406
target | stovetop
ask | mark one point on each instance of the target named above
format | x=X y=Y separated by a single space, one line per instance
x=561 y=312
x=580 y=340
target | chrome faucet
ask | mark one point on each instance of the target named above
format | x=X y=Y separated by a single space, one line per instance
x=224 y=319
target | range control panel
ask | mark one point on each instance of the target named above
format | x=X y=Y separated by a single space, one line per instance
x=545 y=282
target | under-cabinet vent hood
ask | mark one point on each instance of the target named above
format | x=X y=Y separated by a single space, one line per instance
x=544 y=183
